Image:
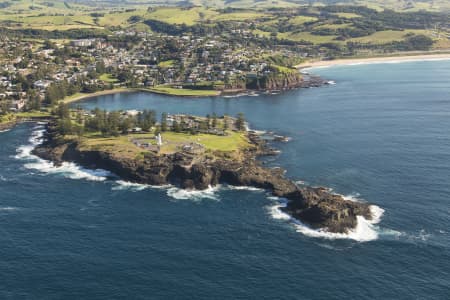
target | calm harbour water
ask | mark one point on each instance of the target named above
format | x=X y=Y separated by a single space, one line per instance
x=381 y=135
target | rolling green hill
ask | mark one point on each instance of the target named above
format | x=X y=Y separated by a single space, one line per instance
x=65 y=5
x=290 y=21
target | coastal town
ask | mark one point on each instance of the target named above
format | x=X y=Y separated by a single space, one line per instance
x=38 y=73
x=209 y=52
x=224 y=149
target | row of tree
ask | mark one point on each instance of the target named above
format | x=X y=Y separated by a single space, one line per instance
x=115 y=123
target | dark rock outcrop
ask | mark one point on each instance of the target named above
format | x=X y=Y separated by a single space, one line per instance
x=284 y=81
x=8 y=125
x=315 y=206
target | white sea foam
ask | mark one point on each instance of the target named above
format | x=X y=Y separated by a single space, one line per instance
x=244 y=188
x=275 y=210
x=195 y=195
x=5 y=130
x=377 y=213
x=236 y=95
x=67 y=169
x=301 y=182
x=132 y=186
x=258 y=132
x=365 y=230
x=8 y=208
x=354 y=197
x=423 y=235
x=126 y=185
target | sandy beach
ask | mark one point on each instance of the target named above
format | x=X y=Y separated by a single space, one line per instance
x=353 y=61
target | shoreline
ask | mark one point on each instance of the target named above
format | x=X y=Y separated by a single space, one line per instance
x=315 y=206
x=373 y=60
x=83 y=96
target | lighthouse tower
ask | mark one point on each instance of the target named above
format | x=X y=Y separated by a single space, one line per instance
x=159 y=140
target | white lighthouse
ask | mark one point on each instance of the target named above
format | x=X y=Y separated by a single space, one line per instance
x=159 y=140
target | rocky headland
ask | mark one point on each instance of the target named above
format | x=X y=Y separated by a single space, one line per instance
x=317 y=207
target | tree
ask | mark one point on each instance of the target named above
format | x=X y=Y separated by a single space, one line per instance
x=214 y=120
x=125 y=125
x=164 y=122
x=64 y=126
x=225 y=123
x=4 y=107
x=175 y=126
x=240 y=122
x=63 y=111
x=208 y=121
x=100 y=67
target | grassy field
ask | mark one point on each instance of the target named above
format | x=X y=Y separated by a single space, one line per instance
x=120 y=146
x=123 y=145
x=166 y=64
x=232 y=142
x=302 y=20
x=182 y=92
x=382 y=37
x=7 y=118
x=239 y=16
x=108 y=78
x=347 y=15
x=182 y=16
x=334 y=26
x=56 y=15
x=34 y=114
x=306 y=36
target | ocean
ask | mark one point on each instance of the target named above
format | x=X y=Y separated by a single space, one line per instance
x=380 y=134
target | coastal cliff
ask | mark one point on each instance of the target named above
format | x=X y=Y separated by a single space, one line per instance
x=284 y=81
x=314 y=206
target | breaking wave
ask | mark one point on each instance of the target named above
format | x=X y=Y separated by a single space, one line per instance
x=126 y=185
x=195 y=195
x=122 y=185
x=67 y=169
x=8 y=208
x=366 y=230
x=244 y=188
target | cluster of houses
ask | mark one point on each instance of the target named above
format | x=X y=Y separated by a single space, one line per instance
x=192 y=60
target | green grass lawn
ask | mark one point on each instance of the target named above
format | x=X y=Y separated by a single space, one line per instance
x=183 y=92
x=232 y=142
x=166 y=64
x=123 y=146
x=7 y=118
x=33 y=114
x=29 y=114
x=108 y=78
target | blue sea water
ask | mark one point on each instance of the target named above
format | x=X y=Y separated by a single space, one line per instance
x=381 y=134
